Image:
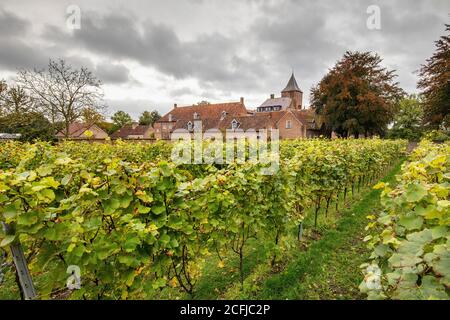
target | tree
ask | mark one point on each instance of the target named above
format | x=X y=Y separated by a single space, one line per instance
x=91 y=115
x=203 y=103
x=121 y=118
x=31 y=125
x=15 y=99
x=62 y=91
x=408 y=119
x=3 y=89
x=357 y=96
x=435 y=83
x=149 y=118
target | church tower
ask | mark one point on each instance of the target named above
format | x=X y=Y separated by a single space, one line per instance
x=293 y=91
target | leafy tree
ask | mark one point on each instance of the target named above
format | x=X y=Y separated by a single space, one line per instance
x=107 y=126
x=408 y=119
x=203 y=103
x=31 y=125
x=62 y=91
x=121 y=118
x=435 y=83
x=357 y=96
x=149 y=118
x=91 y=115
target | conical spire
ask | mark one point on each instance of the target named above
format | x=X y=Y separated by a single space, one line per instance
x=292 y=85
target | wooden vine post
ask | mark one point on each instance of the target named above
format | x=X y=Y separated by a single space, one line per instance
x=26 y=283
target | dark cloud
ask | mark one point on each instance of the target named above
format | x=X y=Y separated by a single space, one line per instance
x=16 y=54
x=11 y=24
x=112 y=73
x=180 y=92
x=209 y=58
x=253 y=57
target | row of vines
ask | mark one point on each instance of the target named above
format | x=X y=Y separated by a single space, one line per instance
x=410 y=239
x=135 y=223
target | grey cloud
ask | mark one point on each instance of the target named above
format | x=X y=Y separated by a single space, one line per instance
x=209 y=58
x=16 y=54
x=112 y=73
x=255 y=59
x=11 y=24
x=180 y=92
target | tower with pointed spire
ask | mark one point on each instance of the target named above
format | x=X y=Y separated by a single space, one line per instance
x=293 y=92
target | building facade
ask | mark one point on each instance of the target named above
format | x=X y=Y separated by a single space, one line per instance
x=134 y=131
x=285 y=113
x=79 y=130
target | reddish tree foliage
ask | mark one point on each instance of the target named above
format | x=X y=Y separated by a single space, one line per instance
x=357 y=96
x=435 y=83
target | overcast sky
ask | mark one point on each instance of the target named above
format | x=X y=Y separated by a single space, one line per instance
x=152 y=54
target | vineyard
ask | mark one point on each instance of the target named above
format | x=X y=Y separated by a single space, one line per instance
x=410 y=239
x=141 y=227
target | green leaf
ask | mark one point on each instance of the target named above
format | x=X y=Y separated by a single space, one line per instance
x=131 y=243
x=143 y=209
x=165 y=239
x=415 y=192
x=46 y=195
x=7 y=240
x=158 y=209
x=28 y=218
x=10 y=211
x=411 y=222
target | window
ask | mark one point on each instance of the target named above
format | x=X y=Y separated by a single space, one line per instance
x=224 y=114
x=164 y=126
x=189 y=126
x=170 y=117
x=288 y=124
x=196 y=116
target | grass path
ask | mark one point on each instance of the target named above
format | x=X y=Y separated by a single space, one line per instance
x=329 y=269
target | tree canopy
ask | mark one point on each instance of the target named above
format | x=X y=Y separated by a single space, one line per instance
x=357 y=96
x=435 y=83
x=149 y=118
x=121 y=118
x=408 y=119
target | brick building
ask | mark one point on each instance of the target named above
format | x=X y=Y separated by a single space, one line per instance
x=134 y=131
x=285 y=113
x=78 y=130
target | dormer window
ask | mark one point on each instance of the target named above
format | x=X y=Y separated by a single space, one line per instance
x=234 y=124
x=196 y=116
x=190 y=126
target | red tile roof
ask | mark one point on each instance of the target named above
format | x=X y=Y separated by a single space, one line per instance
x=131 y=130
x=209 y=111
x=76 y=129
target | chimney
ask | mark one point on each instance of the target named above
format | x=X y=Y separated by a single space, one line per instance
x=242 y=100
x=175 y=105
x=272 y=96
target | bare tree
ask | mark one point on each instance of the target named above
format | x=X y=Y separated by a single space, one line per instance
x=16 y=100
x=3 y=89
x=62 y=91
